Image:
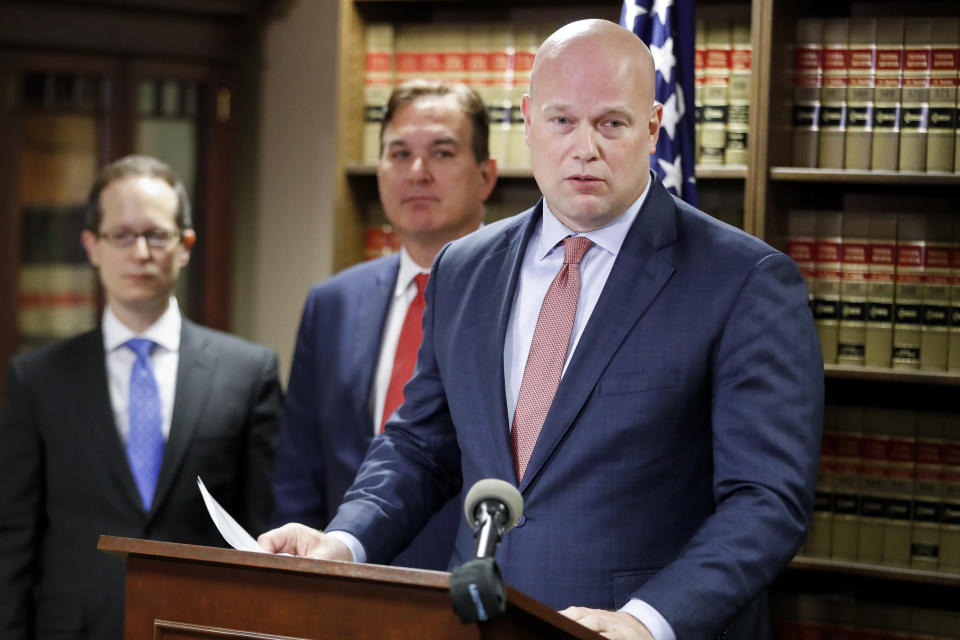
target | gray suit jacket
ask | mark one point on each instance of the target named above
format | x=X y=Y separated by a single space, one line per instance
x=65 y=480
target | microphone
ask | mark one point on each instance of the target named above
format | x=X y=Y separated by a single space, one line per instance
x=492 y=507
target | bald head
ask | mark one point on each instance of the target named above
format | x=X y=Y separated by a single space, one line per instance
x=590 y=121
x=582 y=41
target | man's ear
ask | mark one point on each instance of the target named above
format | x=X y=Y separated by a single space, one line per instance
x=525 y=110
x=188 y=238
x=488 y=177
x=89 y=241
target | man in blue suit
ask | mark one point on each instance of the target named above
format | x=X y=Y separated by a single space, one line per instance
x=669 y=476
x=434 y=174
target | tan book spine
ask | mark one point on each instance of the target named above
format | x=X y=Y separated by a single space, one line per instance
x=432 y=52
x=499 y=90
x=807 y=82
x=699 y=81
x=944 y=67
x=873 y=487
x=934 y=332
x=925 y=535
x=851 y=333
x=453 y=41
x=908 y=303
x=802 y=246
x=826 y=296
x=817 y=544
x=953 y=357
x=916 y=94
x=881 y=272
x=738 y=114
x=716 y=101
x=833 y=93
x=478 y=43
x=900 y=473
x=862 y=76
x=889 y=82
x=950 y=515
x=378 y=82
x=526 y=47
x=409 y=52
x=847 y=438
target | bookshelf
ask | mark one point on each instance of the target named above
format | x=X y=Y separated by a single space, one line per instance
x=84 y=85
x=764 y=190
x=721 y=185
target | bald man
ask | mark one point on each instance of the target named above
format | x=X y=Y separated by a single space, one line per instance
x=649 y=377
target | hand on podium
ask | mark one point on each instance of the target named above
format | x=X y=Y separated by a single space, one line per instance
x=609 y=624
x=300 y=540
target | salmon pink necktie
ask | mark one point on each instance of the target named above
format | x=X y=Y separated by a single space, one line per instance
x=548 y=352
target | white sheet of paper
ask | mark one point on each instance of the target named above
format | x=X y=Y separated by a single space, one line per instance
x=230 y=529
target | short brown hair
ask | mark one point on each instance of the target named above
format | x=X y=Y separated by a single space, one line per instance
x=135 y=165
x=467 y=99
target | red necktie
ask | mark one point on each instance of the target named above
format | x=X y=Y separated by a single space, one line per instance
x=548 y=352
x=411 y=333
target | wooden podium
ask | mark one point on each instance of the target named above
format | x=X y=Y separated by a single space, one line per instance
x=186 y=592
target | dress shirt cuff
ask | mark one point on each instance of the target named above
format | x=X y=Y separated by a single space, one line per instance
x=655 y=623
x=356 y=548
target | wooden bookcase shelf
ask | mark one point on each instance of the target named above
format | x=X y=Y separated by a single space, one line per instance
x=851 y=176
x=903 y=574
x=891 y=375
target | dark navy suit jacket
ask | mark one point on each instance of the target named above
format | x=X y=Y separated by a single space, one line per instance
x=677 y=462
x=327 y=426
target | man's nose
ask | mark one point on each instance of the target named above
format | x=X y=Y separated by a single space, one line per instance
x=586 y=149
x=420 y=170
x=141 y=248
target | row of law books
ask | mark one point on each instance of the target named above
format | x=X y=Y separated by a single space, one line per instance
x=877 y=94
x=817 y=616
x=722 y=91
x=884 y=287
x=57 y=289
x=888 y=488
x=495 y=59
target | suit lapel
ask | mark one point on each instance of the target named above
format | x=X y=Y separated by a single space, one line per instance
x=367 y=318
x=502 y=270
x=637 y=277
x=91 y=370
x=194 y=381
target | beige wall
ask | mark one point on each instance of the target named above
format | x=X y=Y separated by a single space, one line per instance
x=285 y=231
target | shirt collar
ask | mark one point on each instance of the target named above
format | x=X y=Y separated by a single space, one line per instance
x=165 y=331
x=610 y=237
x=408 y=271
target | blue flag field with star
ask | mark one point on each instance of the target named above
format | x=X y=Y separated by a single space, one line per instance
x=667 y=27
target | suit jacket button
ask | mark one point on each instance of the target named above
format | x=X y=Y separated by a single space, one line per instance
x=522 y=521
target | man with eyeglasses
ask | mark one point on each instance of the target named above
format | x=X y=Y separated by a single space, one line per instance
x=106 y=432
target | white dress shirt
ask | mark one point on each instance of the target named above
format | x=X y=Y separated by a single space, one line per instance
x=165 y=358
x=404 y=292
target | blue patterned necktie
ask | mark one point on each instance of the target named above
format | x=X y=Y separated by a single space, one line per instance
x=145 y=441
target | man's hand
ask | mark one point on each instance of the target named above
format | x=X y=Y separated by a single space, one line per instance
x=301 y=540
x=609 y=624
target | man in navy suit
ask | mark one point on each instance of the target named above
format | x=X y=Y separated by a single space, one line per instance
x=671 y=477
x=434 y=174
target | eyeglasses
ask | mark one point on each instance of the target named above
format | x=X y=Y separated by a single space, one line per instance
x=157 y=238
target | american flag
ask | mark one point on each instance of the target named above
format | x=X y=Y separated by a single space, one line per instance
x=667 y=27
